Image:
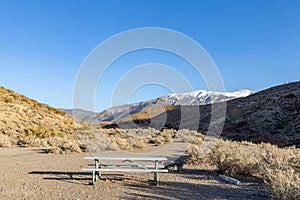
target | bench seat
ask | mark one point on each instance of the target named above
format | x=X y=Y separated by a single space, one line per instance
x=131 y=158
x=126 y=165
x=123 y=170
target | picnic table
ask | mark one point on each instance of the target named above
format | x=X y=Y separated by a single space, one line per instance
x=128 y=164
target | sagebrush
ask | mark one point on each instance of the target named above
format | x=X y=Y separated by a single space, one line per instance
x=278 y=167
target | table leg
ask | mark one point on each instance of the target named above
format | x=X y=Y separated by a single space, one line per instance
x=96 y=174
x=156 y=177
x=94 y=179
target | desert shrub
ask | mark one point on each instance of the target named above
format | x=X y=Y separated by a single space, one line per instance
x=43 y=132
x=7 y=130
x=283 y=184
x=130 y=143
x=232 y=158
x=5 y=141
x=31 y=142
x=188 y=136
x=66 y=147
x=56 y=145
x=139 y=139
x=7 y=99
x=195 y=148
x=128 y=139
x=236 y=159
x=278 y=167
x=96 y=142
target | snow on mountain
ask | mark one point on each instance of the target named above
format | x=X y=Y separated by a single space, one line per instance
x=199 y=97
x=202 y=97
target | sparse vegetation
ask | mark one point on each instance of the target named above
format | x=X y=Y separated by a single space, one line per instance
x=138 y=139
x=279 y=168
x=26 y=122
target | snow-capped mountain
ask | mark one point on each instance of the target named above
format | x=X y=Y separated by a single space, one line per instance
x=201 y=97
x=158 y=105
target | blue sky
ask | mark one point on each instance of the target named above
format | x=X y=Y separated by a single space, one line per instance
x=255 y=44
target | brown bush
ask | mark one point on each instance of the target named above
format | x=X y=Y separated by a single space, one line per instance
x=56 y=145
x=96 y=142
x=5 y=141
x=236 y=159
x=278 y=167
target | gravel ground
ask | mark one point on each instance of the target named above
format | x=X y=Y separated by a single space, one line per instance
x=28 y=173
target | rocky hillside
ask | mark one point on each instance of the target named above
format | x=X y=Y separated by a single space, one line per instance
x=22 y=119
x=271 y=115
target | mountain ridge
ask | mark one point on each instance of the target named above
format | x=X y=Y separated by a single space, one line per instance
x=158 y=105
x=271 y=115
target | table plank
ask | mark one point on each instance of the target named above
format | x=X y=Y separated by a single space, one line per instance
x=124 y=170
x=143 y=158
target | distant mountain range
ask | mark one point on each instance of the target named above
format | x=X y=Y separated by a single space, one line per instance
x=271 y=115
x=156 y=106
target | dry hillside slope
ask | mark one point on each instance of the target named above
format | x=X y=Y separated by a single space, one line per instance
x=23 y=120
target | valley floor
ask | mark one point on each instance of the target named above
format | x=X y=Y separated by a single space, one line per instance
x=28 y=173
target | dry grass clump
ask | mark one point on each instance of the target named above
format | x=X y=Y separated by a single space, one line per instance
x=57 y=145
x=236 y=158
x=62 y=146
x=165 y=136
x=129 y=139
x=278 y=167
x=130 y=143
x=5 y=141
x=139 y=139
x=96 y=142
x=189 y=136
x=195 y=148
x=43 y=137
x=43 y=132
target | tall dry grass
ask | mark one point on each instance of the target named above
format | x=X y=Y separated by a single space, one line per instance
x=278 y=167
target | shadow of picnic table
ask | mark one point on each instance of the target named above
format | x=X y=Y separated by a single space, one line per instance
x=82 y=178
x=196 y=184
x=189 y=184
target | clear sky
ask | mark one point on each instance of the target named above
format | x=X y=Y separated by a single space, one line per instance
x=255 y=44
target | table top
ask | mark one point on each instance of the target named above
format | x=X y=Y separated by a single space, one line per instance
x=144 y=158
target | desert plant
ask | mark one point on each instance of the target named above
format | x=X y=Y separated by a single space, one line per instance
x=278 y=167
x=5 y=141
